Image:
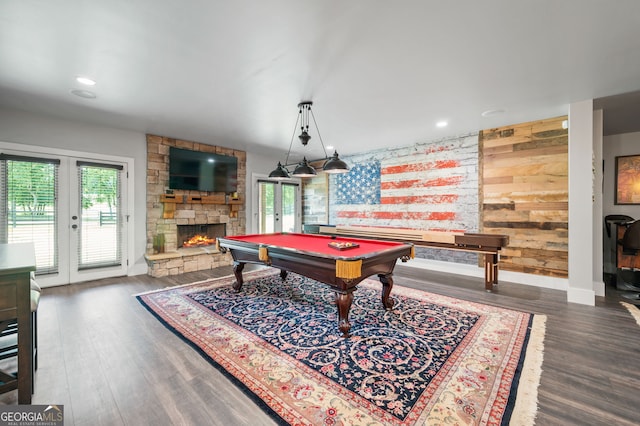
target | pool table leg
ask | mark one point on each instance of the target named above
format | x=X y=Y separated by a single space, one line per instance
x=283 y=274
x=343 y=301
x=237 y=271
x=387 y=285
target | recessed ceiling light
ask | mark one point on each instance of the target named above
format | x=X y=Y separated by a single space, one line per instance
x=442 y=123
x=86 y=81
x=329 y=147
x=492 y=112
x=84 y=94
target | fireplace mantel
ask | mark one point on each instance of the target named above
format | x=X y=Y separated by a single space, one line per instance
x=169 y=202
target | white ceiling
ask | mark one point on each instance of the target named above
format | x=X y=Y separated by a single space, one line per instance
x=380 y=73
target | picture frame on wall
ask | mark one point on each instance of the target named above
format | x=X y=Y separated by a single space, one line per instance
x=627 y=179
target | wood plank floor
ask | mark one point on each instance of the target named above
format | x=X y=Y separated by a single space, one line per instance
x=110 y=362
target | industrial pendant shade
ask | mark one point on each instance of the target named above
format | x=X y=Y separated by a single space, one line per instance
x=335 y=165
x=280 y=172
x=304 y=169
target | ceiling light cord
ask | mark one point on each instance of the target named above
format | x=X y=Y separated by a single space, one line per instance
x=292 y=137
x=304 y=169
x=317 y=130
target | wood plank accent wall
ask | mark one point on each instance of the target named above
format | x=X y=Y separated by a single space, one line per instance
x=524 y=193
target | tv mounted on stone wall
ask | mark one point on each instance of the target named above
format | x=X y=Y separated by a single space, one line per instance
x=202 y=171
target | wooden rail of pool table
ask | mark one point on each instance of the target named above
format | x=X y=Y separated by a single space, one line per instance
x=487 y=244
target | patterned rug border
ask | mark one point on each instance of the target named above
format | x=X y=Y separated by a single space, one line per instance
x=207 y=281
x=527 y=381
x=524 y=388
x=523 y=397
x=237 y=382
x=634 y=310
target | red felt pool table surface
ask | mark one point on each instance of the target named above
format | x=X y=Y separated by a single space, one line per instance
x=319 y=244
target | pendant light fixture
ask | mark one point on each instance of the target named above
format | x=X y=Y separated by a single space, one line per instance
x=335 y=165
x=304 y=169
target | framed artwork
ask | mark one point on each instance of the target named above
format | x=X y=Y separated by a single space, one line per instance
x=628 y=179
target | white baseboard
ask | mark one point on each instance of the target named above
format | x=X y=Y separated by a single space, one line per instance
x=581 y=296
x=598 y=288
x=503 y=276
x=138 y=269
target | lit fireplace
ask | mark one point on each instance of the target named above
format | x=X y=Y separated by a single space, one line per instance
x=198 y=241
x=200 y=235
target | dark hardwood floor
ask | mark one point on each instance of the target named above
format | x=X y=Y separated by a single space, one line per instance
x=110 y=362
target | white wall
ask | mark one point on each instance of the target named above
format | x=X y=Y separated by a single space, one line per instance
x=38 y=130
x=29 y=129
x=581 y=253
x=596 y=225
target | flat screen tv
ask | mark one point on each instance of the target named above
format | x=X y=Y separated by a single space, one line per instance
x=202 y=171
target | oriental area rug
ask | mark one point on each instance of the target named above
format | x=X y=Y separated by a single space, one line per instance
x=430 y=360
x=633 y=309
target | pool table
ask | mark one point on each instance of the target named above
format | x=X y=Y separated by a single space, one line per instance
x=339 y=262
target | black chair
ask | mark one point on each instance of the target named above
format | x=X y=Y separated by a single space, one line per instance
x=629 y=279
x=610 y=244
x=631 y=239
x=615 y=219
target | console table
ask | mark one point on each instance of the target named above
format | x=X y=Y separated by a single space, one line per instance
x=17 y=261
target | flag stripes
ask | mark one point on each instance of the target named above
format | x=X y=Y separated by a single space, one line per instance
x=424 y=189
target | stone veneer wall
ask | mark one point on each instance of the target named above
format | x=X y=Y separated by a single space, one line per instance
x=175 y=261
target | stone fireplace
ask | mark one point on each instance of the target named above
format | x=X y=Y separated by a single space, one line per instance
x=168 y=212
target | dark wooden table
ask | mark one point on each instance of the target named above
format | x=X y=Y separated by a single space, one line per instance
x=310 y=255
x=17 y=261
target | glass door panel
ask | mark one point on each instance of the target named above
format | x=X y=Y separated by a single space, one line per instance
x=289 y=207
x=29 y=207
x=266 y=207
x=99 y=224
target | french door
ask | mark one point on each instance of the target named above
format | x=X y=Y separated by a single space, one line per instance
x=97 y=248
x=71 y=208
x=278 y=206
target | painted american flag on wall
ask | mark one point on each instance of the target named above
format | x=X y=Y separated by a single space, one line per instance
x=429 y=187
x=361 y=185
